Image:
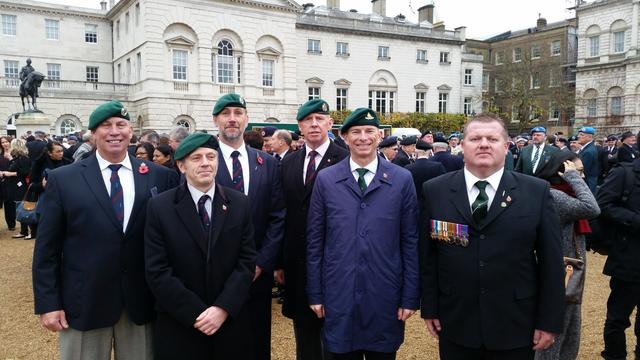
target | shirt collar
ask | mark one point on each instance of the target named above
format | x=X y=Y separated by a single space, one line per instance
x=372 y=166
x=227 y=150
x=493 y=179
x=104 y=164
x=197 y=194
x=321 y=150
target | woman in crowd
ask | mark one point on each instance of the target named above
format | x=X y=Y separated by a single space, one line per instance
x=8 y=203
x=15 y=179
x=51 y=158
x=163 y=155
x=575 y=204
x=144 y=151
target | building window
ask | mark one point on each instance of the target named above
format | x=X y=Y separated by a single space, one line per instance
x=535 y=52
x=517 y=54
x=118 y=30
x=137 y=14
x=554 y=78
x=420 y=101
x=592 y=107
x=498 y=85
x=421 y=56
x=499 y=57
x=594 y=46
x=184 y=123
x=267 y=73
x=53 y=75
x=225 y=62
x=52 y=28
x=616 y=105
x=341 y=99
x=179 y=65
x=555 y=48
x=554 y=112
x=118 y=74
x=467 y=106
x=514 y=113
x=138 y=66
x=314 y=93
x=444 y=57
x=92 y=73
x=467 y=76
x=11 y=73
x=9 y=24
x=442 y=102
x=67 y=126
x=383 y=53
x=126 y=23
x=382 y=101
x=128 y=69
x=342 y=48
x=90 y=33
x=313 y=46
x=535 y=80
x=485 y=81
x=618 y=41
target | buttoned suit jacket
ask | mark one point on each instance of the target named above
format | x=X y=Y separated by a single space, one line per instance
x=83 y=263
x=423 y=170
x=591 y=162
x=524 y=165
x=450 y=162
x=509 y=280
x=402 y=158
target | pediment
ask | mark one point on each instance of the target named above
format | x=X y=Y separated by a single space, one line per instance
x=269 y=51
x=444 y=87
x=421 y=86
x=315 y=80
x=180 y=41
x=342 y=82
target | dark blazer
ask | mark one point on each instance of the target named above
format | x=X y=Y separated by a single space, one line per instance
x=591 y=161
x=509 y=280
x=450 y=162
x=627 y=153
x=402 y=158
x=189 y=270
x=36 y=148
x=523 y=165
x=16 y=186
x=267 y=208
x=82 y=262
x=297 y=197
x=423 y=170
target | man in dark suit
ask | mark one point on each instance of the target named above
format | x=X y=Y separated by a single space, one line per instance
x=627 y=152
x=404 y=156
x=589 y=155
x=36 y=146
x=298 y=177
x=444 y=157
x=88 y=262
x=533 y=156
x=480 y=223
x=257 y=175
x=281 y=144
x=200 y=261
x=388 y=148
x=424 y=168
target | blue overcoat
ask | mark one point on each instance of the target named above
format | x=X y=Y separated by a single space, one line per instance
x=362 y=256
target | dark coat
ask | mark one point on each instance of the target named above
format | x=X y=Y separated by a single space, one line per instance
x=524 y=165
x=297 y=197
x=627 y=153
x=450 y=162
x=402 y=158
x=362 y=256
x=423 y=170
x=36 y=148
x=16 y=186
x=622 y=262
x=39 y=170
x=82 y=262
x=591 y=161
x=509 y=280
x=189 y=270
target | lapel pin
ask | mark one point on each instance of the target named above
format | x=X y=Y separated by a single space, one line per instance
x=384 y=175
x=503 y=191
x=143 y=169
x=503 y=204
x=508 y=198
x=328 y=160
x=224 y=207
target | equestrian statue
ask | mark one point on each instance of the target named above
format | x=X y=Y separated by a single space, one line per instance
x=30 y=82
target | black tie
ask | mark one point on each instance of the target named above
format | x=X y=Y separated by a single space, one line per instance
x=362 y=183
x=481 y=204
x=117 y=198
x=278 y=157
x=202 y=211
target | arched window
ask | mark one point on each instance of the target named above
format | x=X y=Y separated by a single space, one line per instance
x=183 y=123
x=67 y=126
x=225 y=62
x=186 y=122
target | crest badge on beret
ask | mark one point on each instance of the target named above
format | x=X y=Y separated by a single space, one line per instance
x=241 y=99
x=369 y=117
x=263 y=133
x=325 y=108
x=123 y=112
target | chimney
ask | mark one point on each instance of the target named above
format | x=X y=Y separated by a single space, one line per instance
x=111 y=3
x=439 y=26
x=307 y=6
x=462 y=32
x=333 y=4
x=103 y=5
x=379 y=7
x=425 y=13
x=541 y=23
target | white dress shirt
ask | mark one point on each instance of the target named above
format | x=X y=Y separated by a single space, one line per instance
x=126 y=181
x=492 y=187
x=368 y=177
x=197 y=194
x=226 y=151
x=321 y=150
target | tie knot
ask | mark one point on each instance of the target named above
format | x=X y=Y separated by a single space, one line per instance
x=203 y=200
x=362 y=171
x=115 y=167
x=482 y=184
x=313 y=154
x=235 y=154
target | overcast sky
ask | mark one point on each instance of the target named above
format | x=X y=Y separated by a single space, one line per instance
x=482 y=18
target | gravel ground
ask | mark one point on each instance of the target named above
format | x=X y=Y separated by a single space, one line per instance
x=21 y=336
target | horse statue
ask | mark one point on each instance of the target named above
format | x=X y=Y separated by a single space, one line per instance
x=29 y=88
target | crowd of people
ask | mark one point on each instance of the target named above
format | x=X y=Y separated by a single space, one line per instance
x=168 y=246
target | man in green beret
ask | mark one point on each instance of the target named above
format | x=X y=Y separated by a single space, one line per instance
x=362 y=247
x=88 y=264
x=200 y=261
x=257 y=175
x=298 y=177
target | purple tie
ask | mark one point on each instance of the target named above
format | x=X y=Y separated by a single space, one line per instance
x=311 y=167
x=237 y=179
x=202 y=211
x=117 y=199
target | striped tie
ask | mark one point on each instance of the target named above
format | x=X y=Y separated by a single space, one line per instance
x=202 y=211
x=481 y=204
x=237 y=179
x=117 y=199
x=311 y=167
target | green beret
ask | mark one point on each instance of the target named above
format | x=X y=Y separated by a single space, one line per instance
x=359 y=117
x=106 y=111
x=315 y=106
x=193 y=142
x=227 y=100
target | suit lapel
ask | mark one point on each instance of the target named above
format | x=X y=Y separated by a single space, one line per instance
x=381 y=176
x=95 y=181
x=223 y=176
x=219 y=209
x=346 y=177
x=141 y=182
x=255 y=174
x=330 y=157
x=459 y=197
x=186 y=212
x=502 y=200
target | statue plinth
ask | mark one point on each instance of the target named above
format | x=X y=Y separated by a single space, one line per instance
x=32 y=120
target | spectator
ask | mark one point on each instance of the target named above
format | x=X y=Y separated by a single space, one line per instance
x=84 y=149
x=150 y=136
x=144 y=151
x=163 y=155
x=15 y=179
x=253 y=139
x=176 y=136
x=8 y=203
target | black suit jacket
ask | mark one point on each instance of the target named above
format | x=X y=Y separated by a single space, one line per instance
x=450 y=162
x=423 y=170
x=297 y=197
x=524 y=165
x=402 y=158
x=189 y=270
x=627 y=153
x=83 y=263
x=509 y=280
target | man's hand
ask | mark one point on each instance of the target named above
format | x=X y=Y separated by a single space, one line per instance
x=404 y=314
x=433 y=325
x=542 y=339
x=211 y=320
x=318 y=309
x=258 y=272
x=54 y=321
x=279 y=276
x=44 y=182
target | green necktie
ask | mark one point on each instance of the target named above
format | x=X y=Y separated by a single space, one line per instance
x=481 y=204
x=361 y=182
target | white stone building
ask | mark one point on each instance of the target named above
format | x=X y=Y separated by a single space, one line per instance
x=168 y=61
x=608 y=70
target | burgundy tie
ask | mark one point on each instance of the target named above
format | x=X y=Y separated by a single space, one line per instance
x=311 y=167
x=202 y=211
x=238 y=180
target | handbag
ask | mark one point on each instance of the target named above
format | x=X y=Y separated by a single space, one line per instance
x=574 y=273
x=26 y=210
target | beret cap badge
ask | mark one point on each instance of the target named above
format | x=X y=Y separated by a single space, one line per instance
x=325 y=107
x=369 y=117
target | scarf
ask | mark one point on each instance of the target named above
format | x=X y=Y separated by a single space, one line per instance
x=581 y=226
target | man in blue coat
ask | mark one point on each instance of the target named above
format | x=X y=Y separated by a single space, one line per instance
x=362 y=257
x=589 y=155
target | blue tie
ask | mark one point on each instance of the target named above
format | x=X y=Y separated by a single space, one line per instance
x=117 y=198
x=202 y=211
